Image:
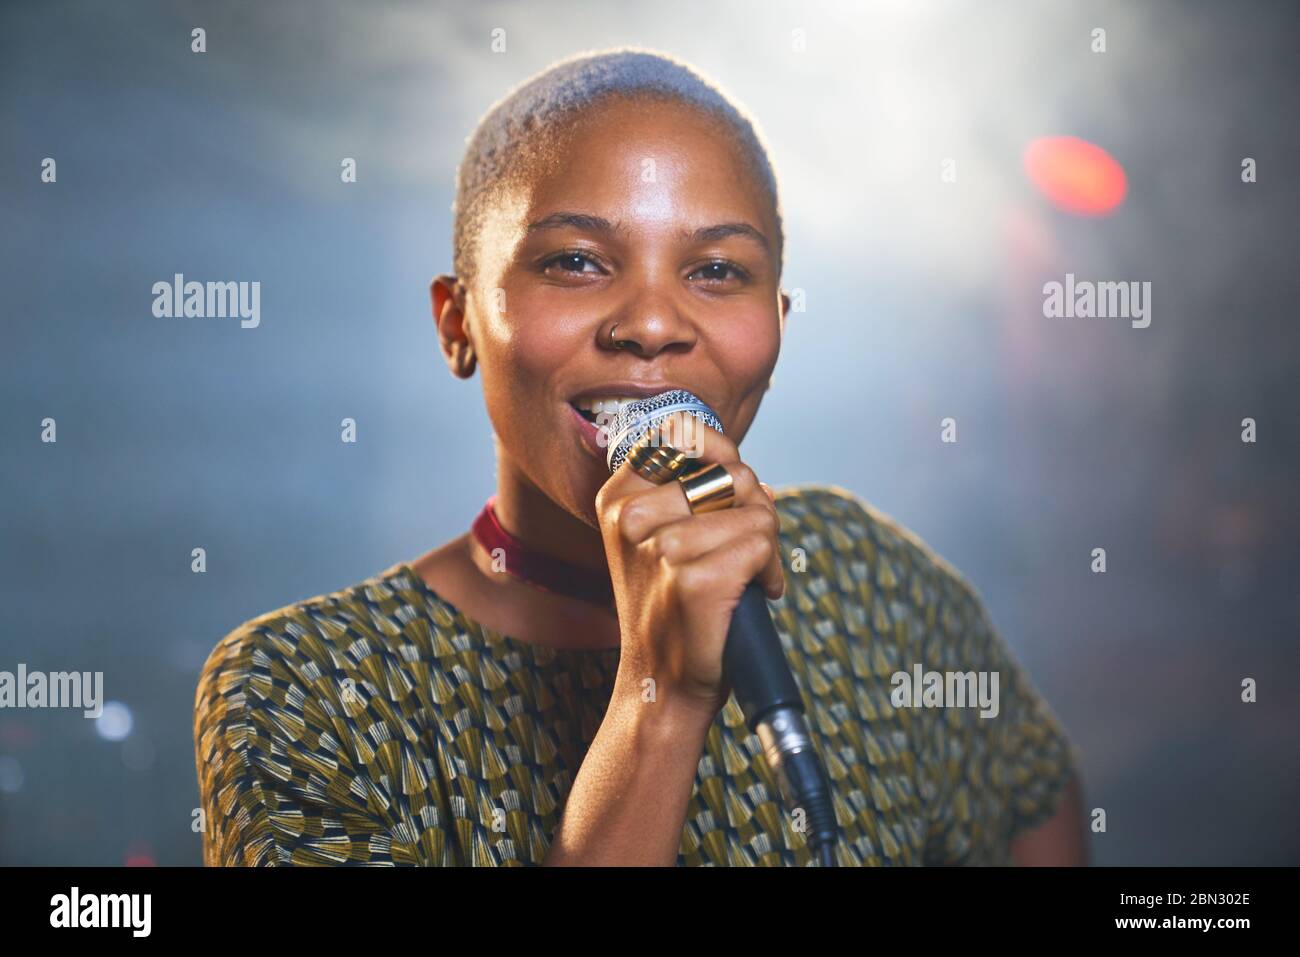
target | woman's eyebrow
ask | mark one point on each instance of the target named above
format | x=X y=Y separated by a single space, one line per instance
x=584 y=221
x=709 y=234
x=598 y=224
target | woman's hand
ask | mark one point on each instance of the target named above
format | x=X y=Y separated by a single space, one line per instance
x=678 y=576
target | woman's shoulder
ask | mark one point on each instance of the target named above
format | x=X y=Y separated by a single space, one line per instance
x=842 y=528
x=300 y=715
x=316 y=634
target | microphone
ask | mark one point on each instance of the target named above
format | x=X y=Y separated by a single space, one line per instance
x=752 y=658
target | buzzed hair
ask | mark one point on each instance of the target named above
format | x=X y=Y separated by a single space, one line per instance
x=522 y=130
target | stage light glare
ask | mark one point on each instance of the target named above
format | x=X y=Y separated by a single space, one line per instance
x=1075 y=175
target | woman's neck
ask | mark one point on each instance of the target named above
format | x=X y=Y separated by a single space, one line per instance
x=463 y=574
x=541 y=525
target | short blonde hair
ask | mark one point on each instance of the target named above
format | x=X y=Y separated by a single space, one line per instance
x=522 y=126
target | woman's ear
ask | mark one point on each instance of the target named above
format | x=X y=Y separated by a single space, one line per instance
x=447 y=294
x=784 y=300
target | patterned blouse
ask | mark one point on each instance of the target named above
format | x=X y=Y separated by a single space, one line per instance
x=380 y=725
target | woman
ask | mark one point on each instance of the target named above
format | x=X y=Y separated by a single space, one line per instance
x=547 y=688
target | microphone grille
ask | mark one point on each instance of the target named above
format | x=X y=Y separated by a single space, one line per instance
x=636 y=419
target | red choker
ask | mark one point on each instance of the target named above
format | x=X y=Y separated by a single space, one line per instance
x=537 y=568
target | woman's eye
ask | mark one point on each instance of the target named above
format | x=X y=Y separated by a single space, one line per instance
x=572 y=262
x=718 y=271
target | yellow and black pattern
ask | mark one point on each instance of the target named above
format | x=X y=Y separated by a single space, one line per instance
x=379 y=725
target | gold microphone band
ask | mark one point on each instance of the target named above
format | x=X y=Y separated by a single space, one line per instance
x=657 y=463
x=709 y=489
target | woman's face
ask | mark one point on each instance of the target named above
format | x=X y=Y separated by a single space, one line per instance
x=652 y=222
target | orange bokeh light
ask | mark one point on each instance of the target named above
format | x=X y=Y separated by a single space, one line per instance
x=1077 y=176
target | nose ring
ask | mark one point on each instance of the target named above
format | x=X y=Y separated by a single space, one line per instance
x=616 y=343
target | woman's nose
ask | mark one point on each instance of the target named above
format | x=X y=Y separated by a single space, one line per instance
x=649 y=325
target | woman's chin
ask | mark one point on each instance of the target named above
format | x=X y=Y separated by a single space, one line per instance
x=579 y=500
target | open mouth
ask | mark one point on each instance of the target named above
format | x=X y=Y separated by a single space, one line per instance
x=602 y=410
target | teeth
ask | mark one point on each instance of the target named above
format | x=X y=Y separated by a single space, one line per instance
x=608 y=404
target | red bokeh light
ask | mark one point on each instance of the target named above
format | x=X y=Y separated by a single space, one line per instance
x=140 y=854
x=1077 y=176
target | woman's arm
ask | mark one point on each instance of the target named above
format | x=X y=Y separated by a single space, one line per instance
x=629 y=800
x=1061 y=840
x=677 y=578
